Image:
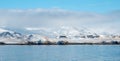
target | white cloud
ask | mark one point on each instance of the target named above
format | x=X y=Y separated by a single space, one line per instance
x=22 y=18
x=37 y=29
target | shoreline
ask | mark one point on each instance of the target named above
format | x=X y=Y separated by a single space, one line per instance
x=67 y=44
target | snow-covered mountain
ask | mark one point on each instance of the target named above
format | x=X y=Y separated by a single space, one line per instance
x=71 y=33
x=63 y=30
x=9 y=36
x=8 y=33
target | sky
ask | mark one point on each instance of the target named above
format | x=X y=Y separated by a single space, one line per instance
x=78 y=5
x=101 y=15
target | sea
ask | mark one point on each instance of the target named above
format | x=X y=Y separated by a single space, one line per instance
x=59 y=52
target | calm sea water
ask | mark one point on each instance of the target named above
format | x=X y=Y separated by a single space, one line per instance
x=60 y=53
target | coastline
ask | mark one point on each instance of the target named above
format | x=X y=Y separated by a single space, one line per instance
x=68 y=44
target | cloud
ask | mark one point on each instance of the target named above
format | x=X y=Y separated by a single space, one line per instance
x=55 y=17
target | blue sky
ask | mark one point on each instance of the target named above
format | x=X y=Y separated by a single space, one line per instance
x=100 y=6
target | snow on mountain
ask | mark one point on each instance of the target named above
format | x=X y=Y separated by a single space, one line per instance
x=35 y=37
x=68 y=31
x=72 y=34
x=8 y=36
x=9 y=33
